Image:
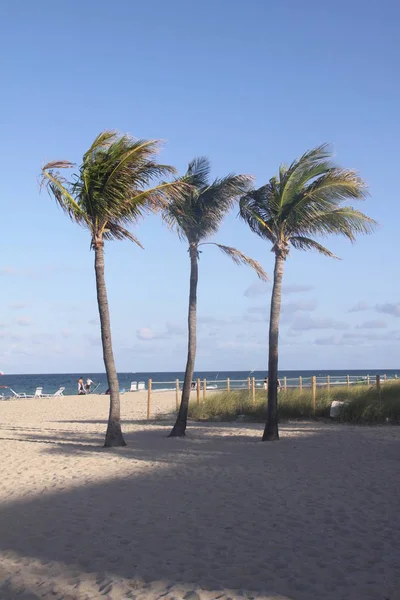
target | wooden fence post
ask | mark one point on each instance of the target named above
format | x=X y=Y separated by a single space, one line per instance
x=285 y=384
x=348 y=380
x=198 y=390
x=177 y=393
x=253 y=389
x=378 y=384
x=367 y=379
x=300 y=382
x=385 y=377
x=328 y=382
x=249 y=383
x=149 y=386
x=314 y=392
x=204 y=389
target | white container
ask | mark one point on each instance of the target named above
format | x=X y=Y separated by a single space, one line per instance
x=335 y=408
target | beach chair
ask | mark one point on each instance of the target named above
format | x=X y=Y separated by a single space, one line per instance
x=141 y=386
x=37 y=394
x=56 y=394
x=133 y=386
x=16 y=395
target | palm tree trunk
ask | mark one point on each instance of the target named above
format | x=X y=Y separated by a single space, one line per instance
x=181 y=421
x=114 y=435
x=271 y=425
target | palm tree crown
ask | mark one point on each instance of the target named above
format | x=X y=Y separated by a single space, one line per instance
x=198 y=212
x=304 y=200
x=110 y=188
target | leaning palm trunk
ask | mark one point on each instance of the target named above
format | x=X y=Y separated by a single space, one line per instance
x=271 y=425
x=181 y=421
x=114 y=435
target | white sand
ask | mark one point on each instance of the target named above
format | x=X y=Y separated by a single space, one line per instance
x=217 y=515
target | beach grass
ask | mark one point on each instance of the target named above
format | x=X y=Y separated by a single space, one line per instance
x=362 y=404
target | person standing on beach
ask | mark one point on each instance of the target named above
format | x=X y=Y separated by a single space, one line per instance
x=81 y=387
x=88 y=383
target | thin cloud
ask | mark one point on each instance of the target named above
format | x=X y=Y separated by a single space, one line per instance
x=257 y=289
x=360 y=306
x=23 y=322
x=210 y=320
x=145 y=334
x=257 y=310
x=308 y=323
x=294 y=307
x=175 y=329
x=261 y=289
x=389 y=309
x=296 y=288
x=8 y=270
x=240 y=345
x=94 y=340
x=255 y=318
x=358 y=339
x=17 y=306
x=374 y=337
x=372 y=325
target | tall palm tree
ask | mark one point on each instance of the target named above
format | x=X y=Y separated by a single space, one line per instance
x=109 y=190
x=304 y=200
x=196 y=215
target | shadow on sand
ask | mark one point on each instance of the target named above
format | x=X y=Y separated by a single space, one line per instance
x=220 y=509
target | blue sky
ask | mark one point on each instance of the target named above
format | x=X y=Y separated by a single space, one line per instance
x=249 y=85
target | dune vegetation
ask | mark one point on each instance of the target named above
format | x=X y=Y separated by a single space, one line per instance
x=362 y=404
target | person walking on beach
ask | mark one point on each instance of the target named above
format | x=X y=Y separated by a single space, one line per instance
x=81 y=387
x=88 y=384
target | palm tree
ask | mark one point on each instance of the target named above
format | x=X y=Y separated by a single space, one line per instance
x=109 y=191
x=304 y=200
x=196 y=215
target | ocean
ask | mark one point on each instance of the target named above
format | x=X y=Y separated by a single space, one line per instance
x=160 y=380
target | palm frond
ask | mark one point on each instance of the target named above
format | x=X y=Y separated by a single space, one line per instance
x=255 y=210
x=57 y=186
x=324 y=195
x=240 y=259
x=199 y=210
x=198 y=172
x=303 y=243
x=114 y=231
x=135 y=159
x=312 y=163
x=102 y=141
x=341 y=221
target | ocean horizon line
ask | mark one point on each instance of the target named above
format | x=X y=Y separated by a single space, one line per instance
x=216 y=371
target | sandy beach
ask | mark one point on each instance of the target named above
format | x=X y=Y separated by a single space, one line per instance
x=216 y=515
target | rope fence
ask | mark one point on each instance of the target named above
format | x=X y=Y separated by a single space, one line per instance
x=200 y=388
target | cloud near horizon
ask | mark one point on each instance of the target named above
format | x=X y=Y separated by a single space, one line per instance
x=17 y=306
x=354 y=339
x=372 y=325
x=360 y=306
x=262 y=288
x=307 y=323
x=146 y=334
x=23 y=321
x=392 y=309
